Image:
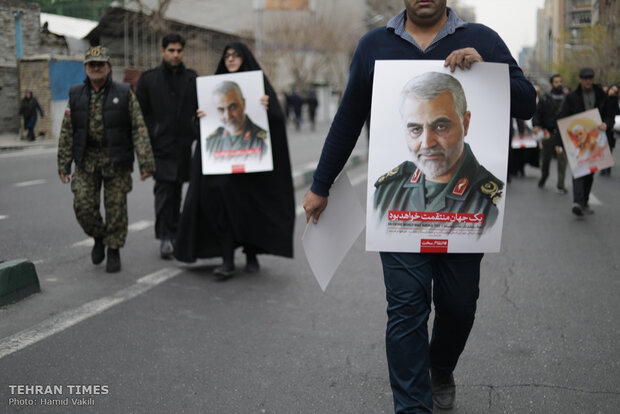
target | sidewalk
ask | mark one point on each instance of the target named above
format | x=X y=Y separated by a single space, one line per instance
x=11 y=142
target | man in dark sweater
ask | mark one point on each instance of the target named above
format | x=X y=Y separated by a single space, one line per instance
x=424 y=30
x=545 y=119
x=167 y=95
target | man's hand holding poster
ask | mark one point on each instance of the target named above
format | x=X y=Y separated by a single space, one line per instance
x=585 y=143
x=438 y=157
x=234 y=133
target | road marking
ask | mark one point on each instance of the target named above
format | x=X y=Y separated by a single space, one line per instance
x=355 y=181
x=140 y=225
x=30 y=183
x=3 y=217
x=67 y=319
x=137 y=226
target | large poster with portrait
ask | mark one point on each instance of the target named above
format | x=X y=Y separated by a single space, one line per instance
x=234 y=133
x=585 y=144
x=438 y=157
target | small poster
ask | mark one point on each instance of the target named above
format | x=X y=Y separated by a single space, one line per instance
x=529 y=139
x=234 y=134
x=438 y=157
x=586 y=146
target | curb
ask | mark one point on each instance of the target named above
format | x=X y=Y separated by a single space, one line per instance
x=302 y=176
x=18 y=279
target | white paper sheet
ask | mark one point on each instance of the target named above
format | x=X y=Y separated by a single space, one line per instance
x=327 y=242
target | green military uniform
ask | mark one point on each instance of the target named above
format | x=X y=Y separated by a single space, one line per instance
x=251 y=141
x=96 y=169
x=472 y=190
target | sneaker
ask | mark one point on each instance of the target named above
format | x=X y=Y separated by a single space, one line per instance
x=251 y=265
x=98 y=253
x=166 y=249
x=561 y=190
x=224 y=272
x=113 y=264
x=444 y=389
x=587 y=210
x=577 y=210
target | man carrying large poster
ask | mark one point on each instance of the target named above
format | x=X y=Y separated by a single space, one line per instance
x=423 y=31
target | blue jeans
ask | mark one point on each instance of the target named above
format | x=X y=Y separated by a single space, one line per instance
x=412 y=281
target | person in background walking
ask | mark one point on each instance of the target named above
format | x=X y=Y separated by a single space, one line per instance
x=312 y=103
x=28 y=110
x=296 y=102
x=586 y=96
x=167 y=96
x=253 y=210
x=101 y=129
x=610 y=111
x=545 y=119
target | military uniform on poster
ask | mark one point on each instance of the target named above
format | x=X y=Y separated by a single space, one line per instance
x=472 y=190
x=251 y=141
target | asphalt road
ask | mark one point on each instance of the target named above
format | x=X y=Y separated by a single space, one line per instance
x=164 y=337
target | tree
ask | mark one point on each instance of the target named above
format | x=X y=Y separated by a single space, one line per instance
x=588 y=47
x=311 y=46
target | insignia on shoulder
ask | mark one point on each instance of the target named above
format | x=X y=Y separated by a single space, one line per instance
x=492 y=190
x=262 y=135
x=388 y=174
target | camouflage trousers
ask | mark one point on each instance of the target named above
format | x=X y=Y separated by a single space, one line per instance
x=86 y=188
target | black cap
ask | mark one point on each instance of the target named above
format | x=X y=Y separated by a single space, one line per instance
x=585 y=73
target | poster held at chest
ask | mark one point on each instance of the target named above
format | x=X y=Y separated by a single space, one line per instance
x=234 y=134
x=438 y=157
x=586 y=145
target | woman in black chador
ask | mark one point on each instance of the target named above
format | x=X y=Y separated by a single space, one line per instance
x=253 y=210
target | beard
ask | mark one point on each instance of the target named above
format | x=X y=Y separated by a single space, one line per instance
x=437 y=167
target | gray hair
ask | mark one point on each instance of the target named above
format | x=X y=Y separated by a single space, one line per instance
x=430 y=84
x=226 y=86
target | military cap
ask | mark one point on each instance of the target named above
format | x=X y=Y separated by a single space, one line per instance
x=585 y=73
x=97 y=54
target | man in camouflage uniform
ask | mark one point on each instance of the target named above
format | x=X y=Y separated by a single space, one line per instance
x=239 y=137
x=101 y=129
x=445 y=175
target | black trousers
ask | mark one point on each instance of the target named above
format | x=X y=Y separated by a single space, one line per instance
x=414 y=281
x=167 y=208
x=581 y=189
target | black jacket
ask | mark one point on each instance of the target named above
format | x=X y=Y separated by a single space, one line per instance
x=547 y=111
x=116 y=121
x=169 y=102
x=573 y=104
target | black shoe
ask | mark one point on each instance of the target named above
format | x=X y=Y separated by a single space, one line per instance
x=577 y=210
x=541 y=182
x=251 y=265
x=166 y=249
x=224 y=272
x=444 y=390
x=98 y=253
x=113 y=264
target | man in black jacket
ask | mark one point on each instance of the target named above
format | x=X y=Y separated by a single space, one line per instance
x=167 y=95
x=545 y=118
x=586 y=96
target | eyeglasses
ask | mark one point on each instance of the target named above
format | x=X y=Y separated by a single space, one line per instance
x=232 y=55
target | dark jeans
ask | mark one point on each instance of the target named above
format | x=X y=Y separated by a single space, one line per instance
x=548 y=149
x=581 y=189
x=412 y=282
x=167 y=207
